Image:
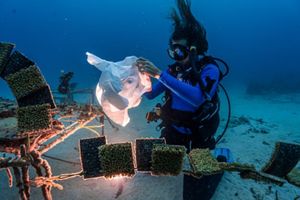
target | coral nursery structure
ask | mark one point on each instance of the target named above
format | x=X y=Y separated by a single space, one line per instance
x=35 y=121
x=41 y=127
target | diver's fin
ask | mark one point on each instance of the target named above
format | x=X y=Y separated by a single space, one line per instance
x=285 y=157
x=223 y=155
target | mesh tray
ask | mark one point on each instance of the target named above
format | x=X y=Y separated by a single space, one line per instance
x=284 y=158
x=89 y=152
x=16 y=62
x=143 y=150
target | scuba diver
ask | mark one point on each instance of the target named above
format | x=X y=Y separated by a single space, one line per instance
x=64 y=82
x=65 y=87
x=190 y=111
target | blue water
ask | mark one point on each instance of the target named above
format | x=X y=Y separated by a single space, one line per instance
x=259 y=39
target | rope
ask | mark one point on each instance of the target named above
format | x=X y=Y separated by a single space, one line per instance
x=42 y=181
x=92 y=130
x=61 y=160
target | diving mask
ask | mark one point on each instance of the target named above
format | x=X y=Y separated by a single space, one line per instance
x=178 y=52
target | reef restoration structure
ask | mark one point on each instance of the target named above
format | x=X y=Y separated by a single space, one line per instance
x=40 y=127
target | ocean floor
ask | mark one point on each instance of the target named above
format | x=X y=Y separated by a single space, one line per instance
x=257 y=124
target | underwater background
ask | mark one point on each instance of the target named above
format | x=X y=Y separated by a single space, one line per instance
x=259 y=39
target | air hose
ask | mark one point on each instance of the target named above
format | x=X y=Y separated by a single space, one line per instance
x=193 y=59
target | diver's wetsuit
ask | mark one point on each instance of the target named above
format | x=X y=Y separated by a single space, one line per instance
x=186 y=96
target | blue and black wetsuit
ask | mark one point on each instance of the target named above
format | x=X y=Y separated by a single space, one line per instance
x=186 y=99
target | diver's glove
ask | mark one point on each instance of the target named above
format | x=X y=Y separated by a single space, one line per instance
x=147 y=67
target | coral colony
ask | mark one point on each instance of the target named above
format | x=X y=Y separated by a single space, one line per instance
x=39 y=120
x=167 y=159
x=116 y=159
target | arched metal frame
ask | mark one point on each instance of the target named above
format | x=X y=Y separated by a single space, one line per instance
x=35 y=121
x=29 y=87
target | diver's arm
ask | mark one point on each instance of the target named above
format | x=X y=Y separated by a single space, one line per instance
x=192 y=94
x=157 y=89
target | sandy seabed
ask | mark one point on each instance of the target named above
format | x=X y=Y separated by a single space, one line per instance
x=257 y=124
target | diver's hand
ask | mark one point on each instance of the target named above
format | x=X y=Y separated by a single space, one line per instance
x=147 y=67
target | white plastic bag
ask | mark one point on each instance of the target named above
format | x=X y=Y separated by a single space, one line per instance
x=120 y=87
